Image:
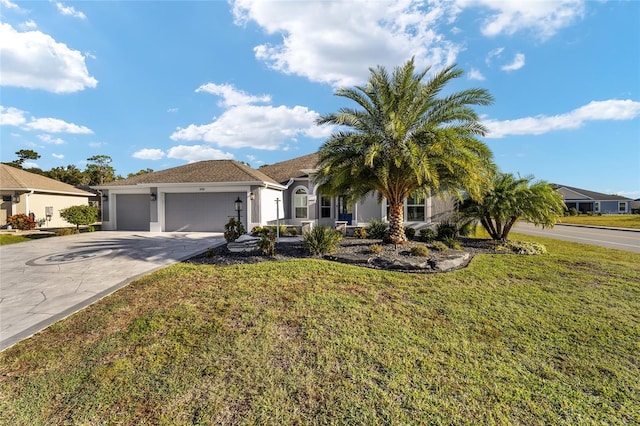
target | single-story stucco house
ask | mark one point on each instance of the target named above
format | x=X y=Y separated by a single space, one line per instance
x=586 y=201
x=203 y=196
x=29 y=193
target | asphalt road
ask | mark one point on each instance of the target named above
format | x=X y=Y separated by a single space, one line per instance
x=612 y=238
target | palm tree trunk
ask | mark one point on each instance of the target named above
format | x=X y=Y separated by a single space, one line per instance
x=396 y=220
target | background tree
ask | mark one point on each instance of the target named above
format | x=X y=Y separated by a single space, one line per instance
x=80 y=215
x=23 y=155
x=100 y=171
x=405 y=141
x=510 y=199
x=141 y=172
x=69 y=174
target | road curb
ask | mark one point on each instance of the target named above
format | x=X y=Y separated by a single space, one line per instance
x=610 y=228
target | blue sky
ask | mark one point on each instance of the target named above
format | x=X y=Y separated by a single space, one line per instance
x=159 y=84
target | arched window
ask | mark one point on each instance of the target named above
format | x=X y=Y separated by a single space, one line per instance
x=300 y=203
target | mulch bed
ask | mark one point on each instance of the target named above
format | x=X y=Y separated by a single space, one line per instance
x=356 y=252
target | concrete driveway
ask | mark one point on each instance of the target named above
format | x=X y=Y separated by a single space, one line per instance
x=45 y=280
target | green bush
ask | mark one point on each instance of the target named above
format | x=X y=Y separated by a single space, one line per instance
x=439 y=246
x=375 y=248
x=522 y=247
x=452 y=243
x=21 y=221
x=419 y=251
x=66 y=231
x=293 y=231
x=267 y=243
x=377 y=229
x=233 y=229
x=360 y=233
x=409 y=232
x=446 y=229
x=427 y=235
x=80 y=215
x=259 y=230
x=321 y=240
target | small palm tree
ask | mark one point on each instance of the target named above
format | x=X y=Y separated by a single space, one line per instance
x=405 y=141
x=512 y=198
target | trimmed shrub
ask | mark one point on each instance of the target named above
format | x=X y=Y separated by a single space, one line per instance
x=360 y=233
x=66 y=231
x=321 y=240
x=80 y=215
x=446 y=230
x=522 y=247
x=233 y=229
x=439 y=246
x=427 y=235
x=21 y=221
x=409 y=232
x=376 y=229
x=293 y=231
x=259 y=230
x=375 y=248
x=419 y=251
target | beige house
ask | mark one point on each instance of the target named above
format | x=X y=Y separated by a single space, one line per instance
x=38 y=196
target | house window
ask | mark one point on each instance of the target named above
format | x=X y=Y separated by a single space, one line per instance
x=622 y=207
x=596 y=207
x=300 y=203
x=415 y=209
x=325 y=207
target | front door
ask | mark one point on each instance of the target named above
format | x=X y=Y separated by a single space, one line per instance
x=345 y=210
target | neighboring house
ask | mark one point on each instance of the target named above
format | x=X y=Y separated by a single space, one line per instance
x=589 y=201
x=38 y=196
x=203 y=196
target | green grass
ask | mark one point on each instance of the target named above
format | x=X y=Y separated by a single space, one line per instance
x=616 y=221
x=551 y=339
x=13 y=239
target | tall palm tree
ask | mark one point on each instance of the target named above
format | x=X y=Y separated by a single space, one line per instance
x=405 y=140
x=510 y=199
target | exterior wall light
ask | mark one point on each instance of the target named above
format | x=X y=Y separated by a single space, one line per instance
x=154 y=197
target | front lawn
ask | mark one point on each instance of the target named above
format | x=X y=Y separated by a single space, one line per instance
x=616 y=221
x=551 y=339
x=16 y=238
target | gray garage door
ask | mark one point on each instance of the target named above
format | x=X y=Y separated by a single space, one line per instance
x=207 y=212
x=132 y=212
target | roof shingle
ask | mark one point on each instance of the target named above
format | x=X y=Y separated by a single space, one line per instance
x=14 y=179
x=294 y=168
x=202 y=171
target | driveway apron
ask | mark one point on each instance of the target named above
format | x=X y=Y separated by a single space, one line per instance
x=45 y=280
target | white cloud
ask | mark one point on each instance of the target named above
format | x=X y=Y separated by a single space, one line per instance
x=55 y=125
x=30 y=165
x=11 y=116
x=594 y=111
x=58 y=156
x=50 y=140
x=195 y=153
x=70 y=11
x=6 y=4
x=518 y=62
x=231 y=96
x=335 y=42
x=474 y=74
x=149 y=154
x=29 y=25
x=244 y=125
x=493 y=54
x=543 y=18
x=172 y=110
x=35 y=60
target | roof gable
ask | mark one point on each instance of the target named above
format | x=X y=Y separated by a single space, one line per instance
x=14 y=179
x=571 y=193
x=200 y=172
x=295 y=168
